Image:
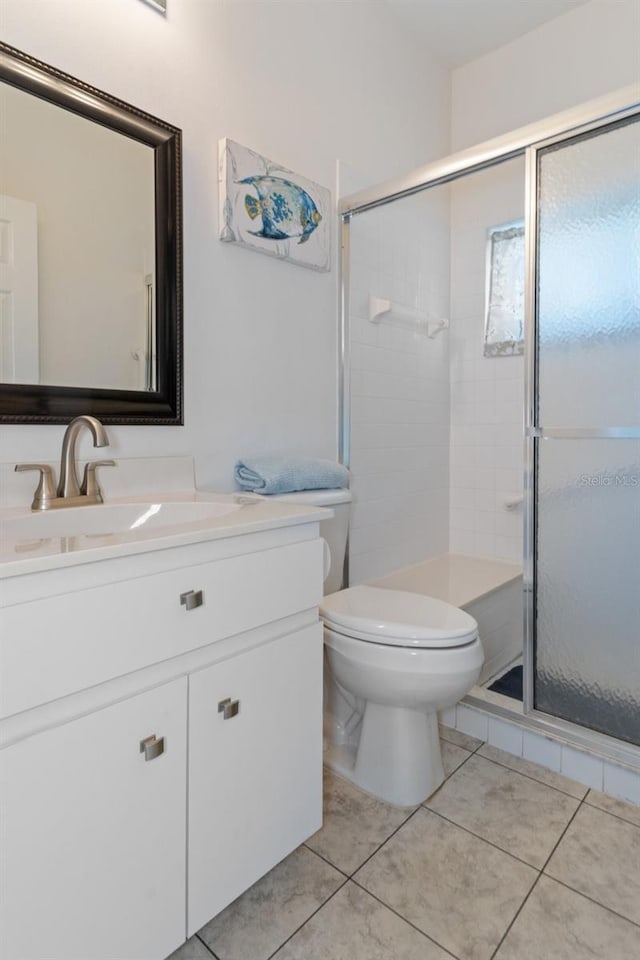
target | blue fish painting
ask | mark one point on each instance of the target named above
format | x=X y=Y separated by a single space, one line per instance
x=286 y=209
x=271 y=210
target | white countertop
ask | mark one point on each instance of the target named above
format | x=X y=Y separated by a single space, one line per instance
x=19 y=556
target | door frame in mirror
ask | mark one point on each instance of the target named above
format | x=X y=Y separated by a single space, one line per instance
x=40 y=403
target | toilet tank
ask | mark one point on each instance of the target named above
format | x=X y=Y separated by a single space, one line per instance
x=334 y=530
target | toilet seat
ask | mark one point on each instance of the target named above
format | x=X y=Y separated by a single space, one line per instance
x=397 y=618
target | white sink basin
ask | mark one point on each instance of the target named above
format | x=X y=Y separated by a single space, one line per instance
x=105 y=519
x=32 y=541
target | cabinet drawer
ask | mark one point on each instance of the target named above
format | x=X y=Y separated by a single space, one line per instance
x=59 y=645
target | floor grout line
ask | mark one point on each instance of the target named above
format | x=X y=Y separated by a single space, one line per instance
x=568 y=885
x=386 y=840
x=484 y=839
x=453 y=742
x=506 y=766
x=537 y=880
x=594 y=806
x=305 y=922
x=515 y=917
x=206 y=946
x=400 y=825
x=581 y=893
x=406 y=820
x=560 y=838
x=346 y=876
x=326 y=860
x=449 y=775
x=401 y=917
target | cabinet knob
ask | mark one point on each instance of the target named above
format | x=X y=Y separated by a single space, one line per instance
x=152 y=747
x=191 y=599
x=229 y=708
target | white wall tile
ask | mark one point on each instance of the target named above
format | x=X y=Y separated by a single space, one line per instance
x=582 y=766
x=448 y=717
x=541 y=750
x=486 y=393
x=622 y=782
x=472 y=722
x=505 y=736
x=400 y=390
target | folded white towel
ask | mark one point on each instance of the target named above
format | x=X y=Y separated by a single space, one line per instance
x=272 y=475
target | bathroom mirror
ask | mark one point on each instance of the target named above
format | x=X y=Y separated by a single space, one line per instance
x=504 y=313
x=90 y=253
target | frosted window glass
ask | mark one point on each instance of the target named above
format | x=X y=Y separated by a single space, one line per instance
x=588 y=584
x=589 y=280
x=504 y=328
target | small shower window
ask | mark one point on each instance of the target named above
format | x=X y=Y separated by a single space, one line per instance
x=504 y=320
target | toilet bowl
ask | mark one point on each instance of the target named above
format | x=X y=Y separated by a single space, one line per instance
x=393 y=659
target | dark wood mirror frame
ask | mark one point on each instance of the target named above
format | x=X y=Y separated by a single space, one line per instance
x=34 y=403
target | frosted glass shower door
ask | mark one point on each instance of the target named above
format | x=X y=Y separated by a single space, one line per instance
x=585 y=431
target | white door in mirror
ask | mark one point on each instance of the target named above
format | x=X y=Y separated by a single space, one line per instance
x=19 y=286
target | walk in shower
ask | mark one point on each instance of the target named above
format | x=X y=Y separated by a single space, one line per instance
x=521 y=471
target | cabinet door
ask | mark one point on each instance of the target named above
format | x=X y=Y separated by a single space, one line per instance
x=255 y=777
x=93 y=835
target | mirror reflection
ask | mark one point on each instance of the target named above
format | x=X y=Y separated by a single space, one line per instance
x=90 y=252
x=77 y=216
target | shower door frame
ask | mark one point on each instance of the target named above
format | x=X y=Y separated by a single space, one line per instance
x=534 y=431
x=523 y=142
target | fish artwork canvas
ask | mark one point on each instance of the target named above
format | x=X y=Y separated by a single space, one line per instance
x=265 y=207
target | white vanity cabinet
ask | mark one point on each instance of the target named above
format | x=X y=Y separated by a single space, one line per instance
x=93 y=835
x=157 y=755
x=254 y=766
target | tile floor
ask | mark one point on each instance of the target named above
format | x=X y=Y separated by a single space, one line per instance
x=506 y=861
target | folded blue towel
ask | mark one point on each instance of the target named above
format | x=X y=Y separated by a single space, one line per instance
x=288 y=474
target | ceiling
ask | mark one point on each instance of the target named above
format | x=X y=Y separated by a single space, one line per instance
x=458 y=31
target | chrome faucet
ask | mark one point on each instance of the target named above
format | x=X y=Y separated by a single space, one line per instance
x=68 y=485
x=70 y=493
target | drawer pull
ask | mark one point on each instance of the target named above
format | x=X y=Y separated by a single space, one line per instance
x=229 y=708
x=192 y=599
x=152 y=747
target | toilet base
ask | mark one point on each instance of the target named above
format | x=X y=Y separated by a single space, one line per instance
x=397 y=758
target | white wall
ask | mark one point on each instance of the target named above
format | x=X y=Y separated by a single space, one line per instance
x=303 y=83
x=584 y=54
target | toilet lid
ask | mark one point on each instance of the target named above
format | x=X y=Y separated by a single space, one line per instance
x=397 y=618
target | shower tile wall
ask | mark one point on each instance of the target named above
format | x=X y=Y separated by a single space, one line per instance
x=399 y=388
x=486 y=450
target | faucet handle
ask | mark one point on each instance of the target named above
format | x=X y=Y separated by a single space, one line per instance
x=89 y=486
x=46 y=489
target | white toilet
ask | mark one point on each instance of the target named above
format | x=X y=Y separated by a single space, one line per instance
x=393 y=660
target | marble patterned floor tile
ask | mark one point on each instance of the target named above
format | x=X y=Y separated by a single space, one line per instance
x=600 y=856
x=459 y=890
x=452 y=756
x=460 y=739
x=517 y=814
x=559 y=924
x=355 y=824
x=259 y=921
x=355 y=926
x=619 y=808
x=193 y=949
x=534 y=770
